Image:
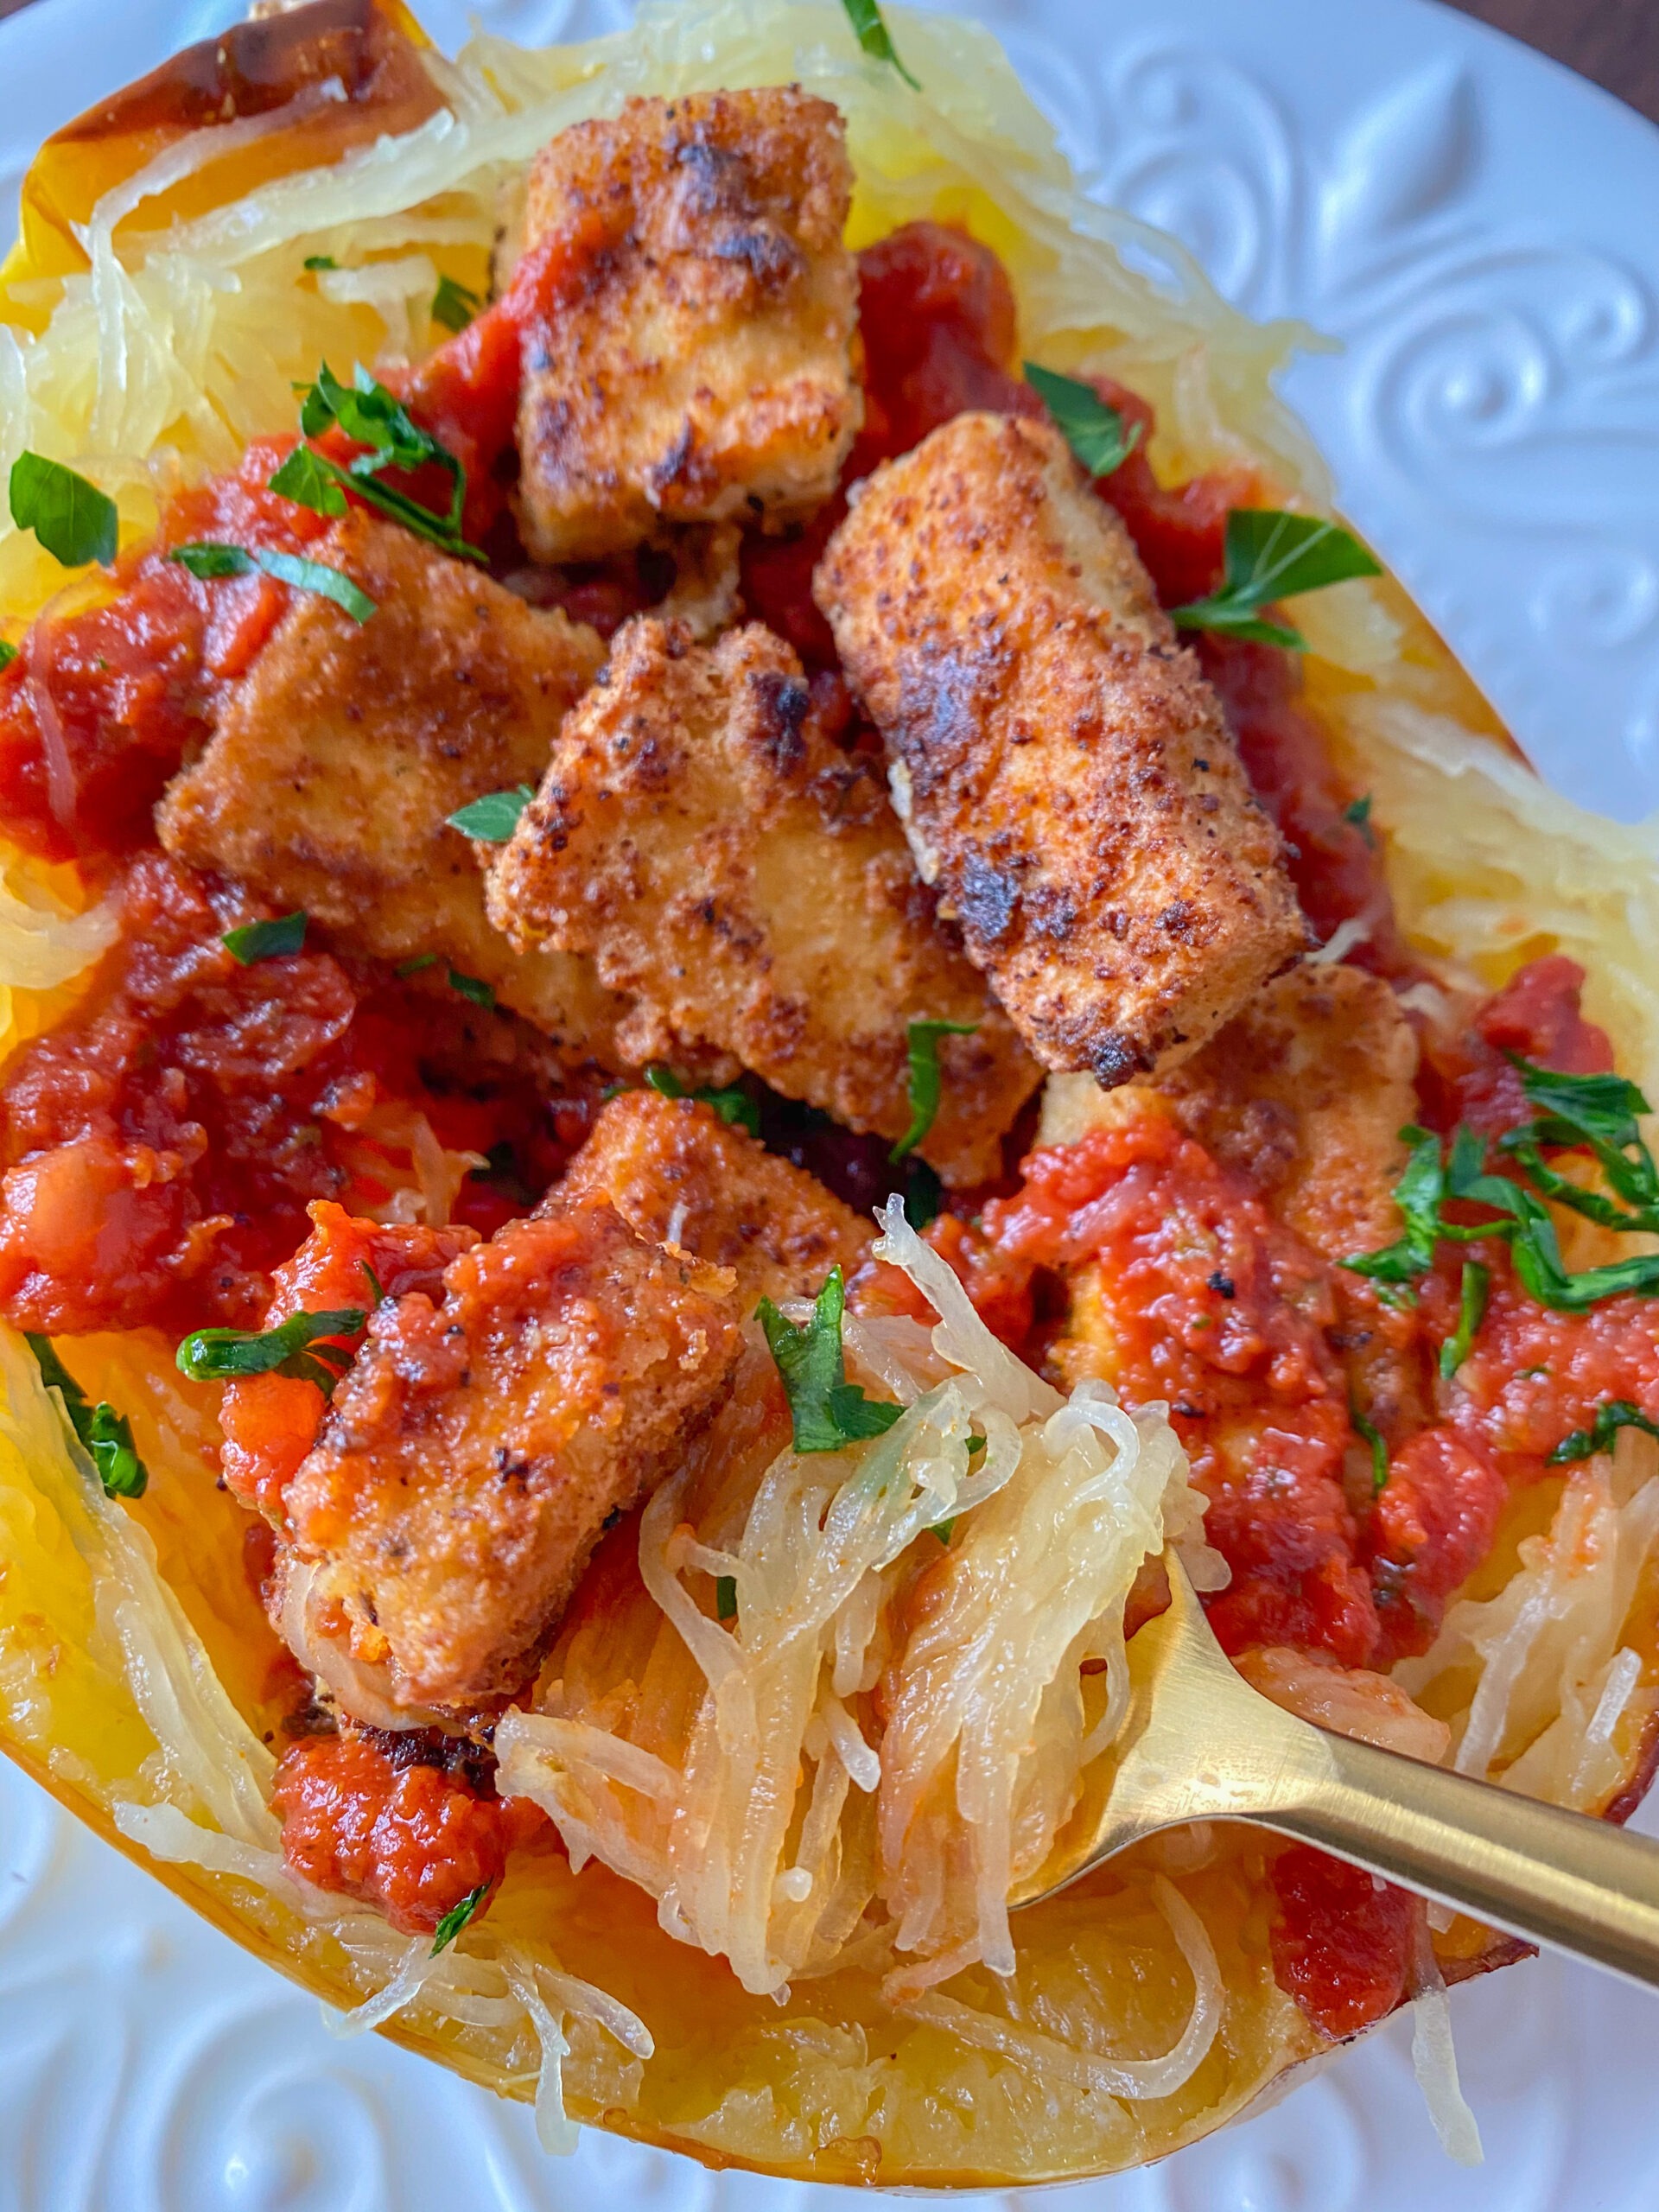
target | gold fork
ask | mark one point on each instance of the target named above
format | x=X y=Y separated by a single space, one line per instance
x=1200 y=1744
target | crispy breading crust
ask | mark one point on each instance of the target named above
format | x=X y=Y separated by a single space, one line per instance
x=698 y=358
x=470 y=1460
x=1061 y=766
x=730 y=866
x=340 y=757
x=677 y=1174
x=1305 y=1092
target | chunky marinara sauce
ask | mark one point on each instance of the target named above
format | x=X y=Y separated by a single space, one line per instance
x=242 y=1095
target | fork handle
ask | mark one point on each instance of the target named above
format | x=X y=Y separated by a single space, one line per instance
x=1554 y=1877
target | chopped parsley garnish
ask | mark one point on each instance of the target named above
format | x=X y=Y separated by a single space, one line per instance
x=926 y=1079
x=457 y=1917
x=1599 y=1111
x=734 y=1106
x=266 y=940
x=865 y=16
x=106 y=1436
x=1475 y=1289
x=1272 y=555
x=493 y=817
x=73 y=520
x=309 y=481
x=945 y=1529
x=416 y=964
x=827 y=1411
x=726 y=1597
x=1616 y=1413
x=376 y=1294
x=298 y=1347
x=210 y=560
x=472 y=987
x=1372 y=1436
x=453 y=305
x=1093 y=429
x=319 y=261
x=370 y=416
x=7 y=653
x=1593 y=1116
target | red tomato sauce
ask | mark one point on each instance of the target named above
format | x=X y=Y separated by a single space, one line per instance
x=166 y=1150
x=383 y=1819
x=162 y=1146
x=270 y=1421
x=100 y=706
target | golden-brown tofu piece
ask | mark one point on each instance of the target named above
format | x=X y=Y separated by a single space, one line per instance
x=340 y=757
x=732 y=867
x=1060 y=764
x=1305 y=1092
x=472 y=1455
x=697 y=358
x=677 y=1174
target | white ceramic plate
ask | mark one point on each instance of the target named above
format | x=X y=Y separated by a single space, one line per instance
x=1479 y=227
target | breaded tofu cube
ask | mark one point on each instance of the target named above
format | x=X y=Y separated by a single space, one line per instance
x=677 y=1174
x=728 y=865
x=1305 y=1093
x=1060 y=764
x=329 y=780
x=471 y=1457
x=697 y=359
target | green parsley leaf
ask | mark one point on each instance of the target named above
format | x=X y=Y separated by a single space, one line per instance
x=472 y=987
x=8 y=654
x=1272 y=555
x=1523 y=1220
x=457 y=1917
x=734 y=1107
x=453 y=305
x=1093 y=429
x=943 y=1529
x=926 y=1079
x=370 y=416
x=1610 y=1417
x=73 y=520
x=493 y=817
x=209 y=561
x=266 y=940
x=310 y=481
x=1358 y=812
x=827 y=1411
x=317 y=576
x=1373 y=1437
x=415 y=965
x=865 y=16
x=106 y=1436
x=1417 y=1194
x=1597 y=1112
x=1475 y=1289
x=296 y=1347
x=377 y=1296
x=726 y=1597
x=318 y=261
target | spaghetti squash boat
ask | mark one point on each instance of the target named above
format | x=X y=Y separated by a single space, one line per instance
x=710 y=1016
